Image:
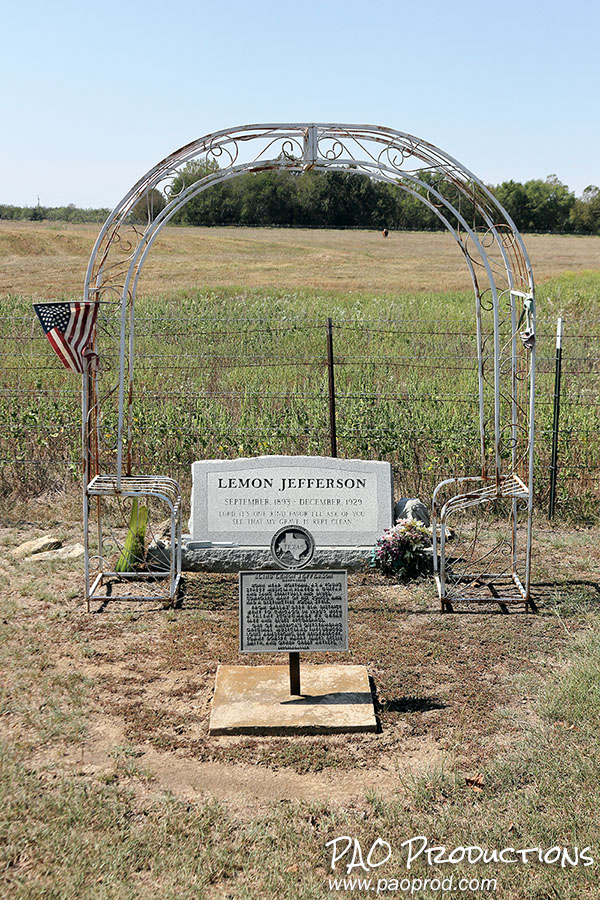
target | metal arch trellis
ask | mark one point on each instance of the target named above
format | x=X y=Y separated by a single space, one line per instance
x=504 y=306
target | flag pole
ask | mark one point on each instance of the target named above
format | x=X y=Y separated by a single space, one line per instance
x=95 y=429
x=85 y=449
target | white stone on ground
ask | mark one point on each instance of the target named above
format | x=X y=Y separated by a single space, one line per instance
x=37 y=546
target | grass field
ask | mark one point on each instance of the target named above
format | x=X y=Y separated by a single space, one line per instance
x=228 y=370
x=110 y=787
x=49 y=260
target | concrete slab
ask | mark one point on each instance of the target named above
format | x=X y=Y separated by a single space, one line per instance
x=256 y=700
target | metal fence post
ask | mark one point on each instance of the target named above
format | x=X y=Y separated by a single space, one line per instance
x=331 y=378
x=557 y=377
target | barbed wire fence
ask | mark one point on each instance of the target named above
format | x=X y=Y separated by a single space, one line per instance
x=359 y=386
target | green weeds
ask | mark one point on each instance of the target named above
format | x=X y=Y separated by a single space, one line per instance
x=224 y=373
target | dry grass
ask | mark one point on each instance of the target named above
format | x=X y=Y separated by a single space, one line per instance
x=111 y=787
x=109 y=778
x=49 y=260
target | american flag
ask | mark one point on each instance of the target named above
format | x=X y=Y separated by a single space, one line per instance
x=69 y=328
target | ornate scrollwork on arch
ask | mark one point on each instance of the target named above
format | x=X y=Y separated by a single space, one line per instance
x=491 y=245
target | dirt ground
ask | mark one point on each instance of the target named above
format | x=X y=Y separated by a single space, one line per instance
x=452 y=691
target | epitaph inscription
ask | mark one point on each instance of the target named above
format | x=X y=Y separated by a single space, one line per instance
x=342 y=502
x=293 y=611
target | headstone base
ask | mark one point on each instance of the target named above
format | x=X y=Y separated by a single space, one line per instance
x=239 y=559
x=256 y=700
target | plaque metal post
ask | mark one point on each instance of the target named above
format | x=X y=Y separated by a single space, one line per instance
x=293 y=547
x=295 y=674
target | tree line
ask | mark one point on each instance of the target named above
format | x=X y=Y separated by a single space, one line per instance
x=70 y=213
x=346 y=199
x=341 y=200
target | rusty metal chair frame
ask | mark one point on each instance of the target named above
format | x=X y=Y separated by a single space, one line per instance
x=503 y=287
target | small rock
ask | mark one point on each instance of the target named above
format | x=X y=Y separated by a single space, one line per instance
x=38 y=545
x=411 y=508
x=72 y=552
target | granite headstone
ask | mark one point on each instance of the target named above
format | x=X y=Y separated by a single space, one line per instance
x=343 y=502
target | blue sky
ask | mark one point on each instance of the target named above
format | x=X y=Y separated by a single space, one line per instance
x=93 y=95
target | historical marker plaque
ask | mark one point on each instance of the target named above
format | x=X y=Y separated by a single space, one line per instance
x=293 y=611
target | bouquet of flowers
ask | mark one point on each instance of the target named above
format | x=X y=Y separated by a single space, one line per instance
x=401 y=549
